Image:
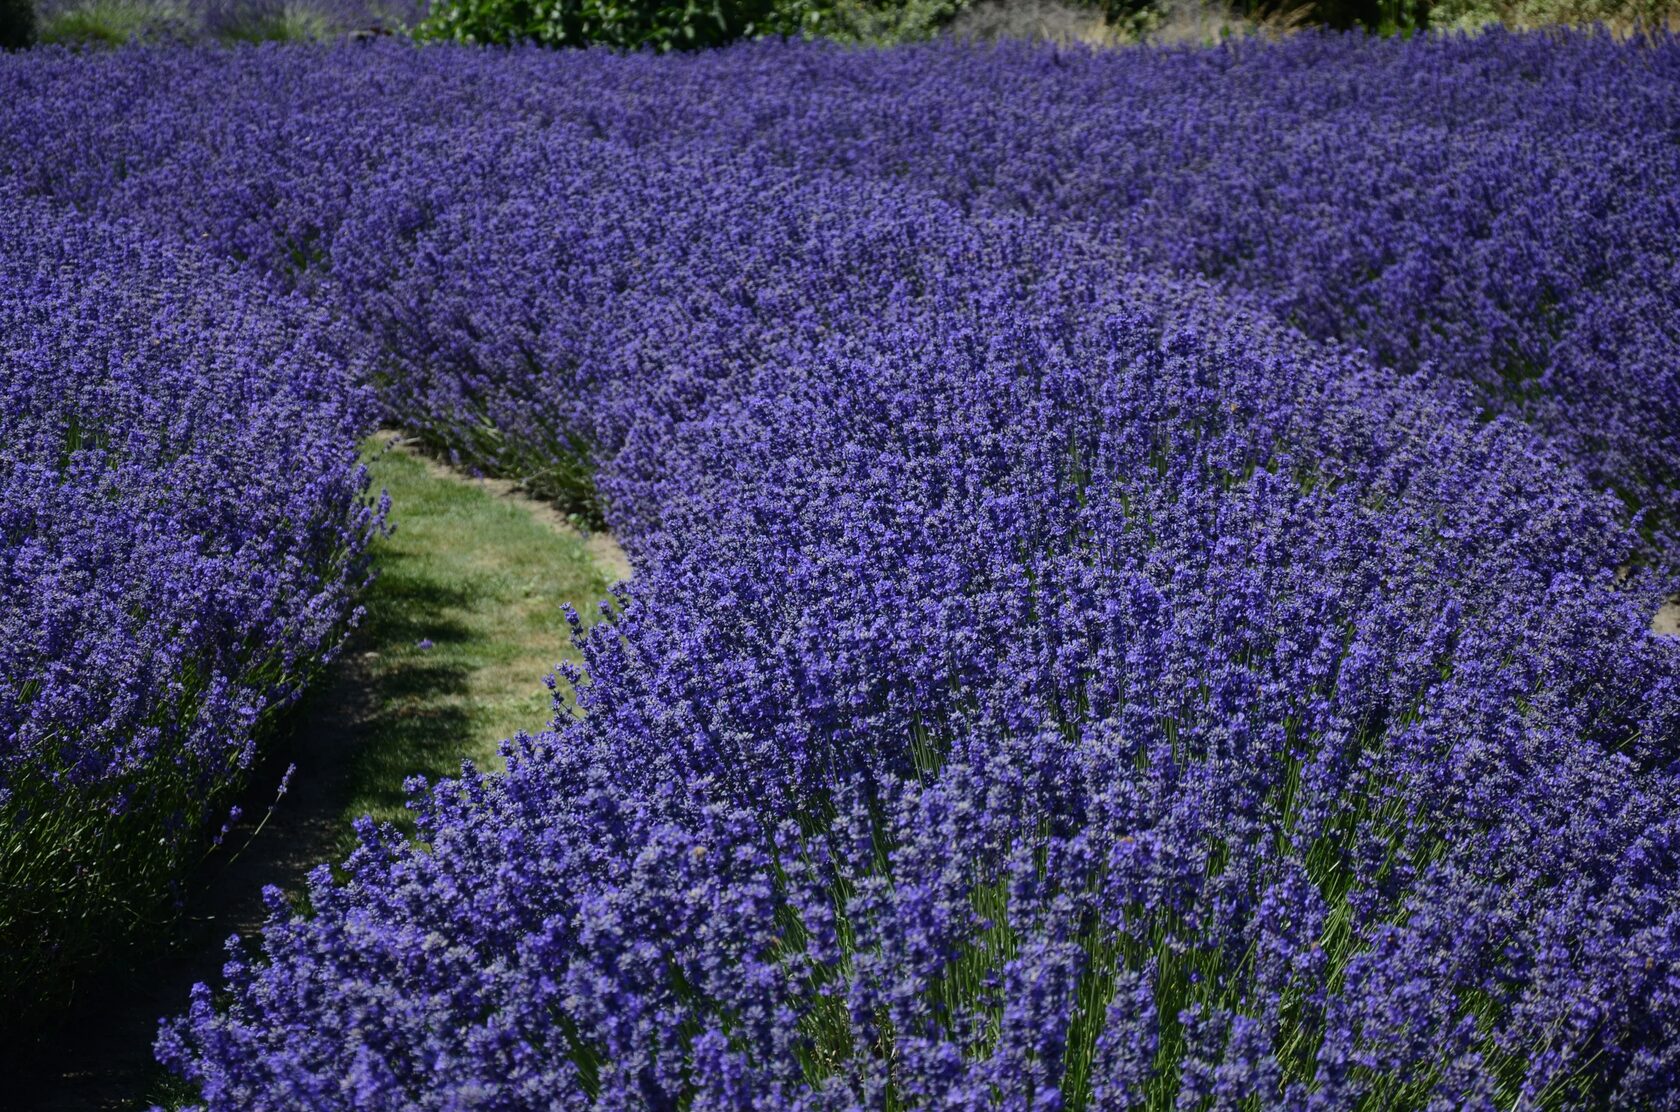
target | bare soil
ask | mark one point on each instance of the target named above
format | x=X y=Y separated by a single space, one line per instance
x=1667 y=621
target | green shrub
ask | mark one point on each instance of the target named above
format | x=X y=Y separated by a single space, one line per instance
x=1621 y=16
x=288 y=22
x=884 y=23
x=686 y=24
x=108 y=23
x=17 y=24
x=661 y=24
x=1382 y=17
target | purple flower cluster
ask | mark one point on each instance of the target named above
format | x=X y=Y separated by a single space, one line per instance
x=1496 y=212
x=182 y=536
x=1145 y=564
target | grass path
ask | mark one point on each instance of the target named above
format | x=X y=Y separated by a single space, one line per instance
x=462 y=625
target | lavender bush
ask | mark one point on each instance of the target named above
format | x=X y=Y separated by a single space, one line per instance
x=181 y=537
x=1493 y=212
x=1145 y=564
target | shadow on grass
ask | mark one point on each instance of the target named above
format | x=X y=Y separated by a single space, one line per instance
x=461 y=626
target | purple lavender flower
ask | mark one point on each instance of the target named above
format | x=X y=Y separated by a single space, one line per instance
x=181 y=542
x=1145 y=562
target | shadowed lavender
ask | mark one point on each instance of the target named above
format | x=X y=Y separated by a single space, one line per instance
x=1145 y=563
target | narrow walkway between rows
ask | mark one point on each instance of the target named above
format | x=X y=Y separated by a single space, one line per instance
x=462 y=625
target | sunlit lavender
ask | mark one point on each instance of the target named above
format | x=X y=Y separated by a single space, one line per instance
x=1146 y=560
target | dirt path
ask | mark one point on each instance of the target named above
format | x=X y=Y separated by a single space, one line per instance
x=461 y=628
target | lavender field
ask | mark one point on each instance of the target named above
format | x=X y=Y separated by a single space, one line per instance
x=1150 y=565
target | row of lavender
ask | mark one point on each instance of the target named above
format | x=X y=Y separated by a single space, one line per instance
x=181 y=540
x=1043 y=686
x=1046 y=684
x=1498 y=212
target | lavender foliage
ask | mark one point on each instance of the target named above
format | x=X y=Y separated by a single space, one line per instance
x=182 y=534
x=1145 y=564
x=1496 y=211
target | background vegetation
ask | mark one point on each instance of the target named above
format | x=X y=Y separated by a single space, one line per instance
x=17 y=24
x=690 y=24
x=668 y=24
x=86 y=23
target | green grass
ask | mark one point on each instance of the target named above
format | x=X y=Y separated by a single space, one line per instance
x=113 y=23
x=482 y=577
x=291 y=24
